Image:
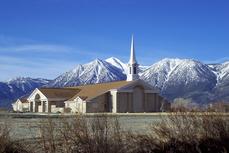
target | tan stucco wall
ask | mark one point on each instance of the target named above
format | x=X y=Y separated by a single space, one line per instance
x=73 y=106
x=149 y=102
x=123 y=102
x=131 y=101
x=21 y=107
x=56 y=106
x=97 y=104
x=138 y=99
x=17 y=106
x=153 y=102
x=77 y=106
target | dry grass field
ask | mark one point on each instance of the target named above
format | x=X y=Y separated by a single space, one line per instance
x=124 y=133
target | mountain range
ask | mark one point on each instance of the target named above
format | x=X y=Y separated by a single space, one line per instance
x=17 y=87
x=175 y=78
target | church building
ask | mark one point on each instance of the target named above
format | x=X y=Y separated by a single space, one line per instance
x=21 y=105
x=133 y=95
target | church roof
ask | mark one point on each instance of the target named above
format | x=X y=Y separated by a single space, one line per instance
x=23 y=100
x=85 y=92
x=91 y=91
x=63 y=93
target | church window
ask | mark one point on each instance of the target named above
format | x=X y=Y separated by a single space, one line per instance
x=130 y=70
x=135 y=70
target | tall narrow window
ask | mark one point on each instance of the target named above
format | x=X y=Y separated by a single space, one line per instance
x=135 y=70
x=130 y=70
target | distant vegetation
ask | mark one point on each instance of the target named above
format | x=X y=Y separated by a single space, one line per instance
x=187 y=105
x=176 y=133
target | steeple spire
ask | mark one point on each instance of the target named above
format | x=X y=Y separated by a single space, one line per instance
x=132 y=65
x=132 y=52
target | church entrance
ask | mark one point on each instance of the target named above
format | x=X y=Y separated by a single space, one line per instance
x=37 y=104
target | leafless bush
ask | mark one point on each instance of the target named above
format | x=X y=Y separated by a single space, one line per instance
x=177 y=132
x=219 y=107
x=184 y=105
x=186 y=133
x=180 y=132
x=7 y=145
x=82 y=134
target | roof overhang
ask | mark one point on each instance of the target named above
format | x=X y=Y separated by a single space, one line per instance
x=148 y=87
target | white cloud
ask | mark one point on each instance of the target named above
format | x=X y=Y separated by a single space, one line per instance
x=9 y=40
x=220 y=60
x=36 y=48
x=24 y=57
x=11 y=67
x=49 y=48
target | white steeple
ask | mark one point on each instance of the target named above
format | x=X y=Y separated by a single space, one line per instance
x=132 y=52
x=132 y=65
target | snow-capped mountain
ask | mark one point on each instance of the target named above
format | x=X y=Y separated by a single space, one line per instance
x=223 y=73
x=175 y=78
x=142 y=69
x=158 y=73
x=96 y=71
x=123 y=66
x=181 y=78
x=221 y=90
x=26 y=84
x=117 y=63
x=17 y=87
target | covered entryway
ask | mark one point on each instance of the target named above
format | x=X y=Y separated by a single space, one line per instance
x=37 y=104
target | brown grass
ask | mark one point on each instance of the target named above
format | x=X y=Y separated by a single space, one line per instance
x=186 y=133
x=7 y=145
x=79 y=134
x=176 y=133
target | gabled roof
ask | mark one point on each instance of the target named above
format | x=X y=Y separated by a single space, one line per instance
x=83 y=97
x=88 y=92
x=63 y=93
x=23 y=100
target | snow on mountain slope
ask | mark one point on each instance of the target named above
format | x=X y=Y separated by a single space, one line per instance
x=180 y=77
x=221 y=71
x=18 y=87
x=117 y=63
x=123 y=66
x=224 y=72
x=189 y=76
x=26 y=84
x=158 y=73
x=222 y=87
x=174 y=77
x=142 y=69
x=96 y=71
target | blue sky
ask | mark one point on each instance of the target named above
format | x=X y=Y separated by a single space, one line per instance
x=44 y=38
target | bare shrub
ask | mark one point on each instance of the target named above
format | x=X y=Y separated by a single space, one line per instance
x=7 y=145
x=183 y=105
x=179 y=132
x=219 y=107
x=82 y=134
x=199 y=129
x=49 y=136
x=186 y=133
